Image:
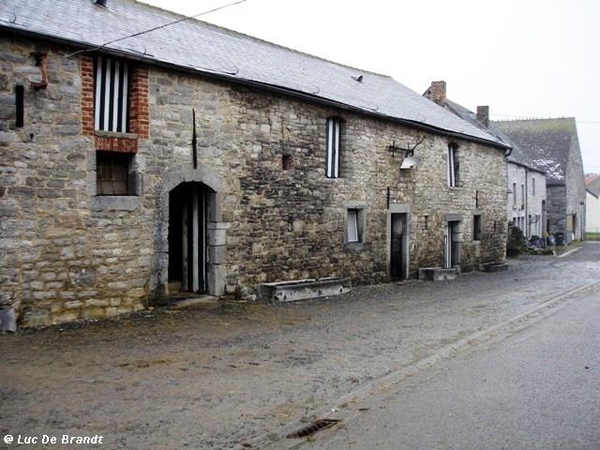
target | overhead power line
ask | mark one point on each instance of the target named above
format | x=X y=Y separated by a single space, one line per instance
x=160 y=27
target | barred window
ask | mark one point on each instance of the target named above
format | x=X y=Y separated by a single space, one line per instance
x=333 y=147
x=453 y=166
x=111 y=95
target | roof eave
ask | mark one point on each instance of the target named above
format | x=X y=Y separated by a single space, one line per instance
x=525 y=166
x=87 y=47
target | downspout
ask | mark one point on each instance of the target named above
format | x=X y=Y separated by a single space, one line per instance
x=526 y=204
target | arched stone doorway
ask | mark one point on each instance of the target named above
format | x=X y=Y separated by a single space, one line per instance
x=190 y=236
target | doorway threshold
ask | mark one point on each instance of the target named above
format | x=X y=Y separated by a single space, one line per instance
x=180 y=301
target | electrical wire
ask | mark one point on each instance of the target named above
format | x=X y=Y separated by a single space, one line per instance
x=160 y=27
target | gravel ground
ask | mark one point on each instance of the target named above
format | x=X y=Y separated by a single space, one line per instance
x=235 y=375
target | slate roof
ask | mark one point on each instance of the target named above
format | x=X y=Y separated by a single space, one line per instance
x=593 y=187
x=517 y=155
x=201 y=47
x=547 y=142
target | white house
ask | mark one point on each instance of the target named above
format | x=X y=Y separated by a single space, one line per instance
x=592 y=205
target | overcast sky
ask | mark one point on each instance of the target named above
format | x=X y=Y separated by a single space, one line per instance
x=523 y=58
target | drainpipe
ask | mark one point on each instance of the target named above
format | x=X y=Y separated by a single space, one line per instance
x=526 y=204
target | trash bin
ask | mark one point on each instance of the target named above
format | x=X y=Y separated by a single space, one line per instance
x=559 y=237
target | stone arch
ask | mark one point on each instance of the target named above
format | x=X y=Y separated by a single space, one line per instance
x=217 y=230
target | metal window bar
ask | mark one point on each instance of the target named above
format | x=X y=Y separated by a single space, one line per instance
x=333 y=148
x=111 y=95
x=451 y=166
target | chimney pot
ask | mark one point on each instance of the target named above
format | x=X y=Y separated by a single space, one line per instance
x=483 y=115
x=437 y=92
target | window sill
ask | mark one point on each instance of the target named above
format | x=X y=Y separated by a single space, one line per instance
x=115 y=134
x=355 y=246
x=115 y=203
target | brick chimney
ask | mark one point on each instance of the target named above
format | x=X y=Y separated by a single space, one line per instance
x=483 y=115
x=437 y=92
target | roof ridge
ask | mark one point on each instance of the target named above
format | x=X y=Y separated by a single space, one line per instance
x=532 y=119
x=256 y=39
x=227 y=54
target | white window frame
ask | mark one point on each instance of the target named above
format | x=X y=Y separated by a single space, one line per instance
x=352 y=230
x=355 y=225
x=453 y=175
x=334 y=132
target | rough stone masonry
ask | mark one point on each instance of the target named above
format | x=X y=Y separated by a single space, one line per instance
x=68 y=253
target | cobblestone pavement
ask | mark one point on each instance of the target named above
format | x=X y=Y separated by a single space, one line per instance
x=239 y=375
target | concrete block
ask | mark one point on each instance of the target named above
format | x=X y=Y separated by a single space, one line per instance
x=287 y=291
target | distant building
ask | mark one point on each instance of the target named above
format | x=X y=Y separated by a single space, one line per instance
x=526 y=183
x=552 y=145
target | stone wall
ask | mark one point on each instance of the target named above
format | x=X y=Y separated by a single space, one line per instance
x=67 y=253
x=575 y=178
x=557 y=205
x=61 y=259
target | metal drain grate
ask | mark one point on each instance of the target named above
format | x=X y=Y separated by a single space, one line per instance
x=313 y=428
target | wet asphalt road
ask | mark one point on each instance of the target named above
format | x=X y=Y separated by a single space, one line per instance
x=537 y=389
x=239 y=376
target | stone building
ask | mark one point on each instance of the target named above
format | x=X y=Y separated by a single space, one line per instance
x=191 y=158
x=525 y=182
x=552 y=145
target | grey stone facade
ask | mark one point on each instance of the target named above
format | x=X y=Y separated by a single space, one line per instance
x=67 y=253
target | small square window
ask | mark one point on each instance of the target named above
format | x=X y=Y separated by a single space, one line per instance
x=113 y=175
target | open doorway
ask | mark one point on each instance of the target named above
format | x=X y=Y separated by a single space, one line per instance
x=188 y=206
x=399 y=247
x=451 y=245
